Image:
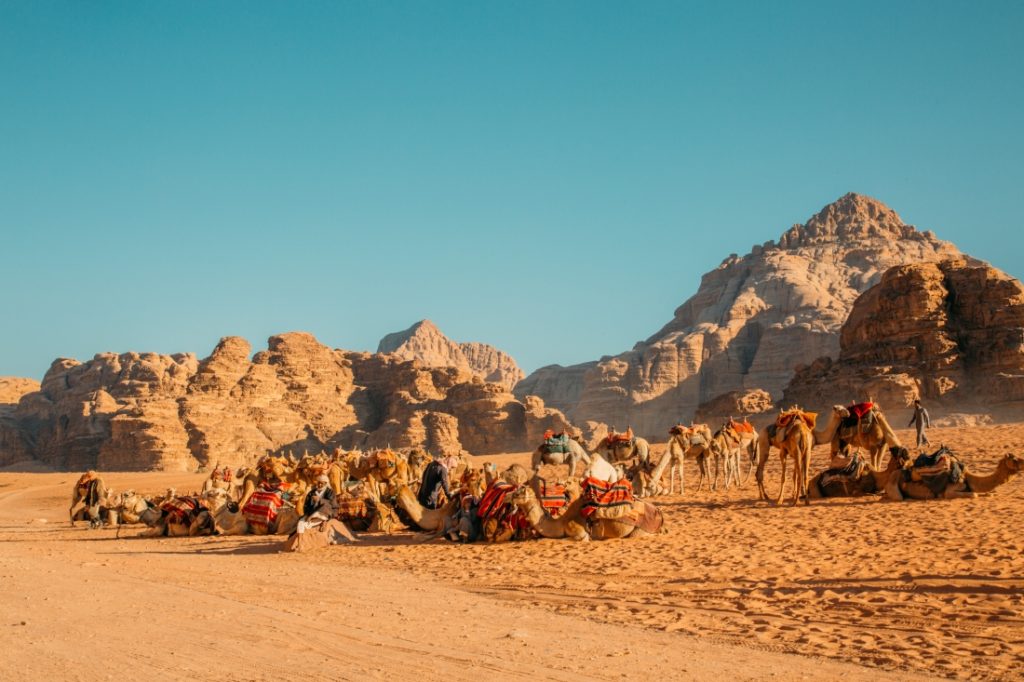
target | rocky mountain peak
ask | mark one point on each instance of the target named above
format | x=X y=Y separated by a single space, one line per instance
x=852 y=217
x=426 y=343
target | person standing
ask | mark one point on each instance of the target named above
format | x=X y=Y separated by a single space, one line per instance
x=919 y=421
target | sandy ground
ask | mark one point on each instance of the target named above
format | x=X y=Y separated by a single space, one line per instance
x=737 y=589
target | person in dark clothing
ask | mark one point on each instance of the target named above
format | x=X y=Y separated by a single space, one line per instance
x=435 y=481
x=919 y=421
x=318 y=506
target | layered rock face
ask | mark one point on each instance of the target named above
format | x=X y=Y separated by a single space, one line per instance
x=147 y=411
x=950 y=333
x=425 y=342
x=12 y=440
x=735 y=404
x=751 y=322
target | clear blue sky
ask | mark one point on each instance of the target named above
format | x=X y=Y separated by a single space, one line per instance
x=548 y=177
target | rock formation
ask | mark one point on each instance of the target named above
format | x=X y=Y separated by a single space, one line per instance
x=735 y=404
x=148 y=411
x=12 y=440
x=751 y=322
x=951 y=333
x=424 y=342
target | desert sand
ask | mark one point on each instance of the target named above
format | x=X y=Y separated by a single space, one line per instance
x=736 y=589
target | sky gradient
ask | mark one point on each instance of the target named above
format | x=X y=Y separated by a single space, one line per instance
x=519 y=173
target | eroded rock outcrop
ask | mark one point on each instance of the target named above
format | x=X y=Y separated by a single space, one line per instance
x=735 y=404
x=951 y=333
x=150 y=411
x=751 y=322
x=425 y=342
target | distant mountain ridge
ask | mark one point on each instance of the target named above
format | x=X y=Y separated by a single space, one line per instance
x=425 y=342
x=753 y=320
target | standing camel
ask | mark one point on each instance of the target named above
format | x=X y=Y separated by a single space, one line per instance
x=792 y=433
x=564 y=450
x=622 y=448
x=860 y=426
x=684 y=441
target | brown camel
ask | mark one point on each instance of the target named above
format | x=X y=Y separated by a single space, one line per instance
x=624 y=526
x=269 y=468
x=901 y=485
x=864 y=481
x=792 y=433
x=91 y=493
x=870 y=432
x=567 y=525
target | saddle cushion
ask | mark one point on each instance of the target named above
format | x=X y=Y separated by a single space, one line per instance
x=553 y=498
x=606 y=500
x=261 y=509
x=556 y=444
x=861 y=410
x=180 y=509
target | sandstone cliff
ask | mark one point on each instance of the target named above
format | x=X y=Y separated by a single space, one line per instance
x=951 y=333
x=150 y=411
x=751 y=322
x=425 y=342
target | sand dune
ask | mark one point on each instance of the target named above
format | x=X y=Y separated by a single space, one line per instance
x=852 y=589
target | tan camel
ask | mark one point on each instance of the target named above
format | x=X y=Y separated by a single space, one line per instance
x=871 y=432
x=622 y=448
x=865 y=481
x=567 y=525
x=792 y=433
x=726 y=453
x=744 y=436
x=269 y=468
x=901 y=486
x=433 y=520
x=418 y=461
x=684 y=441
x=566 y=451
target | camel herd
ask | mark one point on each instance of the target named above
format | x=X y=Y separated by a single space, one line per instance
x=609 y=499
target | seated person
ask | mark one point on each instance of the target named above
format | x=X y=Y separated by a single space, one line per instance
x=318 y=505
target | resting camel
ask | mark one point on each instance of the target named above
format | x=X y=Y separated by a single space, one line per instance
x=792 y=433
x=432 y=520
x=866 y=481
x=567 y=525
x=569 y=451
x=684 y=441
x=620 y=448
x=90 y=492
x=900 y=485
x=418 y=461
x=220 y=479
x=871 y=432
x=269 y=468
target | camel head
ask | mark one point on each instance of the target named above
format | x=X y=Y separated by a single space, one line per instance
x=899 y=457
x=522 y=496
x=841 y=411
x=1014 y=463
x=679 y=430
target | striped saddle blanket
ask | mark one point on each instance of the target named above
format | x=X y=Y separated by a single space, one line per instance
x=354 y=509
x=494 y=499
x=605 y=500
x=553 y=498
x=261 y=509
x=180 y=509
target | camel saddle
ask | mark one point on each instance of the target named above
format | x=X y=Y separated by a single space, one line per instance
x=261 y=509
x=181 y=509
x=785 y=419
x=843 y=475
x=358 y=512
x=646 y=517
x=556 y=444
x=861 y=419
x=619 y=438
x=936 y=470
x=501 y=521
x=741 y=427
x=604 y=500
x=553 y=498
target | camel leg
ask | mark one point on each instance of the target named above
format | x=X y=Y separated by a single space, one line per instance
x=572 y=465
x=956 y=492
x=782 y=485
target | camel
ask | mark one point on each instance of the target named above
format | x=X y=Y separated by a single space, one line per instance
x=418 y=461
x=269 y=468
x=619 y=448
x=90 y=492
x=866 y=480
x=744 y=437
x=432 y=520
x=601 y=469
x=792 y=433
x=567 y=525
x=871 y=432
x=129 y=506
x=692 y=441
x=901 y=485
x=726 y=452
x=565 y=450
x=220 y=479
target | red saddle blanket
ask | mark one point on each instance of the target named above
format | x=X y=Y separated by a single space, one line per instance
x=178 y=509
x=604 y=496
x=742 y=427
x=494 y=499
x=553 y=498
x=261 y=509
x=860 y=409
